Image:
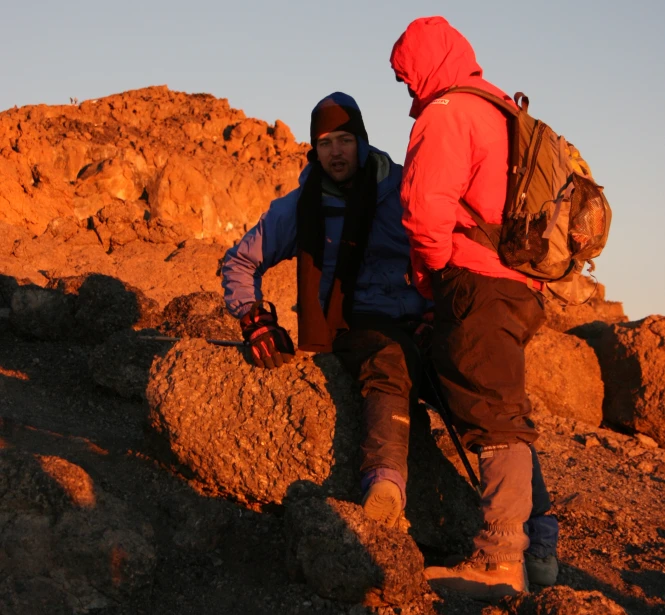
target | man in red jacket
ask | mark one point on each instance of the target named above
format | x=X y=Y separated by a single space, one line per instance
x=485 y=313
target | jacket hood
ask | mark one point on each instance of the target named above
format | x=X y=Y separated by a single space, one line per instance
x=431 y=56
x=341 y=112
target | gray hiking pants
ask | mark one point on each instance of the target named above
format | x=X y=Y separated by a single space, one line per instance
x=505 y=478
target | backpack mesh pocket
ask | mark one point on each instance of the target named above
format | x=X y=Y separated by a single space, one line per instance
x=590 y=219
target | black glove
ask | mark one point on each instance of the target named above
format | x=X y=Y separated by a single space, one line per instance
x=270 y=344
x=424 y=333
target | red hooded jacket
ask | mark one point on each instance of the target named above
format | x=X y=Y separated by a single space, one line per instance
x=458 y=148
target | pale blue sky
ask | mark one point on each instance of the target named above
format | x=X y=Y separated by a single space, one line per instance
x=594 y=70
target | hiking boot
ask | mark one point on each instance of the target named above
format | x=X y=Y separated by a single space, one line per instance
x=383 y=502
x=480 y=580
x=541 y=570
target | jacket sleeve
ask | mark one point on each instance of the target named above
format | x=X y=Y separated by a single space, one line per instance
x=271 y=241
x=437 y=172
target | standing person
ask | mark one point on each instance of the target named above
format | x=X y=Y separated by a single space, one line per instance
x=344 y=226
x=485 y=313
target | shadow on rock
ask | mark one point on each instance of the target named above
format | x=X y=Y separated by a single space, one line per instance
x=64 y=539
x=88 y=308
x=649 y=584
x=344 y=556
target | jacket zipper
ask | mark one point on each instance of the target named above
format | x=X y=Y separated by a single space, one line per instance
x=536 y=147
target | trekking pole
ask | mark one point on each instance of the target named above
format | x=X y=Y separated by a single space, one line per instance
x=444 y=412
x=166 y=338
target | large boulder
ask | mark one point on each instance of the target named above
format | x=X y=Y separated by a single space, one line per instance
x=249 y=433
x=632 y=359
x=104 y=182
x=563 y=375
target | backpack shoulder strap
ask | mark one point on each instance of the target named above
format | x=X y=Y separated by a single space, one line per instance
x=485 y=234
x=515 y=124
x=521 y=100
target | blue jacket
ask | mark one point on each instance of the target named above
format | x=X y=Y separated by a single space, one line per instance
x=381 y=286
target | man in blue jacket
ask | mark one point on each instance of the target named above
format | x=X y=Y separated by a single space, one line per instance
x=343 y=224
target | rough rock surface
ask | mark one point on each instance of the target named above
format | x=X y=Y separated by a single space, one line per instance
x=149 y=187
x=597 y=308
x=279 y=287
x=42 y=313
x=61 y=535
x=250 y=433
x=186 y=159
x=215 y=556
x=558 y=601
x=122 y=362
x=344 y=556
x=90 y=307
x=632 y=359
x=562 y=372
x=106 y=305
x=199 y=315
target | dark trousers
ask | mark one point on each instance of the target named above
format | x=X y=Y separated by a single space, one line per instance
x=482 y=326
x=543 y=529
x=384 y=359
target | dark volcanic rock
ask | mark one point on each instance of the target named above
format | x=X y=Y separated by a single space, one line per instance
x=632 y=359
x=7 y=287
x=41 y=313
x=122 y=363
x=61 y=534
x=106 y=305
x=562 y=372
x=345 y=556
x=249 y=433
x=200 y=315
x=558 y=600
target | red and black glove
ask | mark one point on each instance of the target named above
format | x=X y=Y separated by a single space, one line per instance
x=270 y=344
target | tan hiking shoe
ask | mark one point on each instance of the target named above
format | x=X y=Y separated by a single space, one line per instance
x=480 y=580
x=383 y=502
x=541 y=570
